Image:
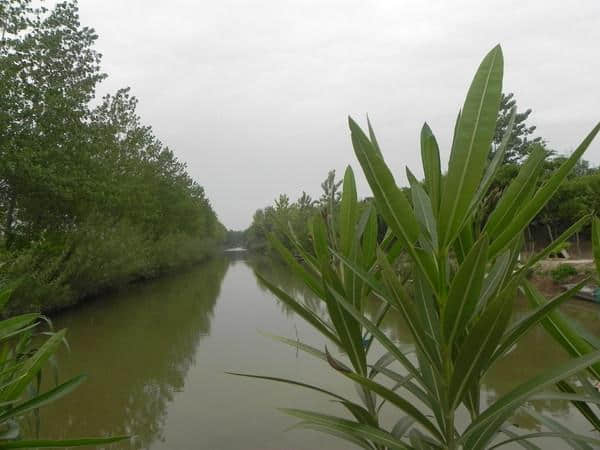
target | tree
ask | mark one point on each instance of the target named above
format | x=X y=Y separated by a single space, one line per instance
x=521 y=137
x=330 y=187
x=305 y=201
x=48 y=74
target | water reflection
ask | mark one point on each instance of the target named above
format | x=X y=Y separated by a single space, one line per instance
x=144 y=341
x=156 y=354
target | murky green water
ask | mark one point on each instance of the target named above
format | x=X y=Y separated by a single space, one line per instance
x=156 y=356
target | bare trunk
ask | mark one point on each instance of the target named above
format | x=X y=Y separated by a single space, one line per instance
x=10 y=219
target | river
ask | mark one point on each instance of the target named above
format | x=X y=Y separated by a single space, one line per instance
x=156 y=355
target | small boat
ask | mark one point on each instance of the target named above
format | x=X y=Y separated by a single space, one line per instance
x=589 y=293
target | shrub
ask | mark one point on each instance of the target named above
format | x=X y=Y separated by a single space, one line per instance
x=562 y=272
x=459 y=304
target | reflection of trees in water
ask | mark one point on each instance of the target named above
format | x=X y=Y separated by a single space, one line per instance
x=137 y=348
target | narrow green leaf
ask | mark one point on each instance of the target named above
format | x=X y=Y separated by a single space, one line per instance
x=348 y=212
x=43 y=399
x=391 y=202
x=481 y=430
x=496 y=162
x=430 y=157
x=346 y=436
x=401 y=301
x=556 y=243
x=517 y=193
x=556 y=427
x=464 y=291
x=471 y=145
x=547 y=434
x=423 y=210
x=404 y=405
x=292 y=382
x=364 y=431
x=522 y=443
x=381 y=338
x=596 y=243
x=373 y=138
x=301 y=310
x=562 y=329
x=480 y=344
x=301 y=271
x=402 y=426
x=526 y=323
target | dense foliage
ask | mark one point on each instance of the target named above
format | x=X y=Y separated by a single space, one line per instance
x=457 y=301
x=89 y=197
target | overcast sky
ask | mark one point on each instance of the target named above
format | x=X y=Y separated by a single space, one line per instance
x=254 y=95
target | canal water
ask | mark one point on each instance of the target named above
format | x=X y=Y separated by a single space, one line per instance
x=156 y=355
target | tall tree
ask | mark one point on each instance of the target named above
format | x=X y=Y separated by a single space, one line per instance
x=48 y=74
x=521 y=137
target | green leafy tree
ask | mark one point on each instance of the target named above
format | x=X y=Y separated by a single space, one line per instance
x=521 y=137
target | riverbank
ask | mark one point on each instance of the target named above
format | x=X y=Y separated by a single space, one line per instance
x=50 y=279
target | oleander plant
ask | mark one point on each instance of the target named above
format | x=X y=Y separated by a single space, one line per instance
x=457 y=301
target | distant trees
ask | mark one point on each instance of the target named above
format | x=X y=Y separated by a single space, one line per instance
x=521 y=138
x=284 y=217
x=578 y=196
x=71 y=172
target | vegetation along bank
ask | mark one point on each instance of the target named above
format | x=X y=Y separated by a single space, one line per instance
x=90 y=199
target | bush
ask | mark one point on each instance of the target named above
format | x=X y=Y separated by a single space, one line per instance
x=58 y=271
x=562 y=272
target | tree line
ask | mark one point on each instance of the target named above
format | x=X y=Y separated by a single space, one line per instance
x=578 y=196
x=90 y=198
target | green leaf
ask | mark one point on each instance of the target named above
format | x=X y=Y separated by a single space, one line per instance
x=300 y=270
x=556 y=243
x=43 y=399
x=430 y=157
x=402 y=426
x=519 y=329
x=358 y=441
x=517 y=193
x=464 y=291
x=423 y=210
x=471 y=145
x=401 y=301
x=391 y=202
x=496 y=162
x=596 y=242
x=404 y=405
x=522 y=443
x=348 y=212
x=381 y=338
x=33 y=365
x=289 y=381
x=298 y=345
x=301 y=310
x=484 y=427
x=562 y=329
x=556 y=427
x=480 y=343
x=356 y=429
x=547 y=434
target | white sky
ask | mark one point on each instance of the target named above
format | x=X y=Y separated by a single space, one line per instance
x=254 y=95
